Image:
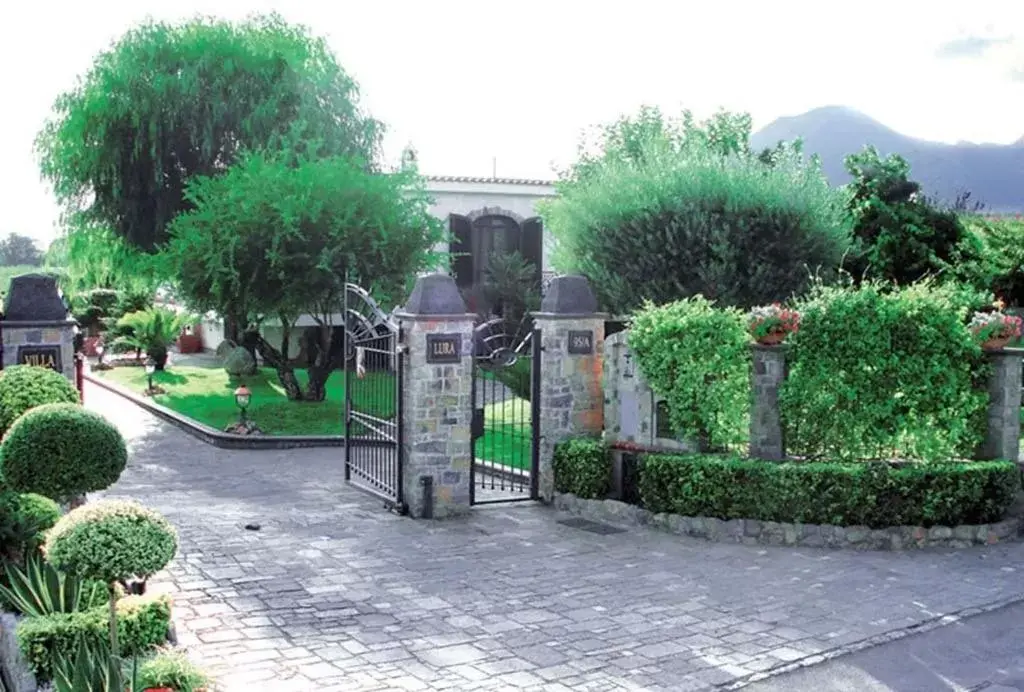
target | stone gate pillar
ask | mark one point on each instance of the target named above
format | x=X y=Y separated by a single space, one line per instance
x=1002 y=436
x=571 y=369
x=437 y=334
x=769 y=371
x=37 y=329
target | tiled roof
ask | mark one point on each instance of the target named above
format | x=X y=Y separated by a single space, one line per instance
x=500 y=181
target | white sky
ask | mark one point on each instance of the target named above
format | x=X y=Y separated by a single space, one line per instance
x=468 y=80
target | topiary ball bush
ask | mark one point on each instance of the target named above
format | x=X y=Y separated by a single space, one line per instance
x=61 y=451
x=239 y=362
x=110 y=541
x=23 y=387
x=24 y=520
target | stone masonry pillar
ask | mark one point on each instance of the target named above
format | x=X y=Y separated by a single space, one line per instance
x=769 y=371
x=1002 y=437
x=436 y=397
x=572 y=396
x=37 y=329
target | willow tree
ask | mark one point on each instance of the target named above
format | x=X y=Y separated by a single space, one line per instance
x=168 y=102
x=275 y=238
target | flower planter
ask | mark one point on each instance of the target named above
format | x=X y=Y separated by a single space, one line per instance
x=773 y=339
x=995 y=344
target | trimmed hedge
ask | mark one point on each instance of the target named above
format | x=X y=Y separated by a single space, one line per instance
x=23 y=387
x=876 y=495
x=582 y=467
x=111 y=540
x=143 y=624
x=62 y=450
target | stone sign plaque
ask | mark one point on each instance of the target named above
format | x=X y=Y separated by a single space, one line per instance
x=45 y=356
x=581 y=342
x=444 y=348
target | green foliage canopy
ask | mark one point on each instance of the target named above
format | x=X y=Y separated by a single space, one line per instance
x=171 y=101
x=902 y=236
x=668 y=210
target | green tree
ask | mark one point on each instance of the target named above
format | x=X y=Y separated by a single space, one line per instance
x=17 y=249
x=171 y=101
x=901 y=235
x=664 y=210
x=268 y=238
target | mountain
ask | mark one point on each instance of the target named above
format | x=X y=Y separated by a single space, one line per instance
x=993 y=173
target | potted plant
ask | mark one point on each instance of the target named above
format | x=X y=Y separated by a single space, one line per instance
x=771 y=324
x=995 y=329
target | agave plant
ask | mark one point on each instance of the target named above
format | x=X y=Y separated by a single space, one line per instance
x=92 y=668
x=152 y=331
x=39 y=589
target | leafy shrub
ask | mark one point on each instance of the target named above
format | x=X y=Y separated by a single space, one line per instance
x=883 y=374
x=111 y=540
x=24 y=520
x=901 y=236
x=143 y=623
x=62 y=450
x=582 y=467
x=845 y=494
x=171 y=669
x=39 y=589
x=674 y=210
x=239 y=362
x=23 y=387
x=152 y=330
x=697 y=357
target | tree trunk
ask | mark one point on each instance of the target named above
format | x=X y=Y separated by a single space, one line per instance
x=113 y=620
x=321 y=365
x=285 y=373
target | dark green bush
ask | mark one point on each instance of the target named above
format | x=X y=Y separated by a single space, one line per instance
x=62 y=450
x=885 y=373
x=670 y=209
x=23 y=387
x=844 y=494
x=583 y=467
x=697 y=356
x=24 y=520
x=143 y=623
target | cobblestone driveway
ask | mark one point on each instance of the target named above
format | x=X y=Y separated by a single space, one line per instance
x=335 y=594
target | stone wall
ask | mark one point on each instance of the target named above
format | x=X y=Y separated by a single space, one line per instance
x=754 y=532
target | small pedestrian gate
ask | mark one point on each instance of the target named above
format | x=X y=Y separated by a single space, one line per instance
x=506 y=412
x=373 y=401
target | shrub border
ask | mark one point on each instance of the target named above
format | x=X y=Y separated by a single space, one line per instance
x=217 y=438
x=755 y=532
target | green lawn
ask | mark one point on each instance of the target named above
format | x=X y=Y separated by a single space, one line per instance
x=507 y=434
x=206 y=394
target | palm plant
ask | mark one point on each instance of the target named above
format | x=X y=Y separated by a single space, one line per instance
x=152 y=330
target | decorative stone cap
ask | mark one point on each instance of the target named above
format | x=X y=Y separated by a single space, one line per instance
x=569 y=295
x=35 y=298
x=435 y=294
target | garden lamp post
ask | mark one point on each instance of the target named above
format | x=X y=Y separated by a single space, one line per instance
x=150 y=369
x=242 y=398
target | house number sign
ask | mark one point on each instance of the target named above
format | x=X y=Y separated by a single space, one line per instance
x=581 y=342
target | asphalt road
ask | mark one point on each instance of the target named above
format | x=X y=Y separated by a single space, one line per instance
x=984 y=653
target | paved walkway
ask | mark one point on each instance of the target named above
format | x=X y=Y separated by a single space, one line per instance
x=333 y=593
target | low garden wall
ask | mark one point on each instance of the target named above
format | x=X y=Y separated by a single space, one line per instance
x=754 y=532
x=726 y=498
x=17 y=676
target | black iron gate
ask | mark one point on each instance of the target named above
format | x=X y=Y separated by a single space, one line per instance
x=506 y=412
x=373 y=398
